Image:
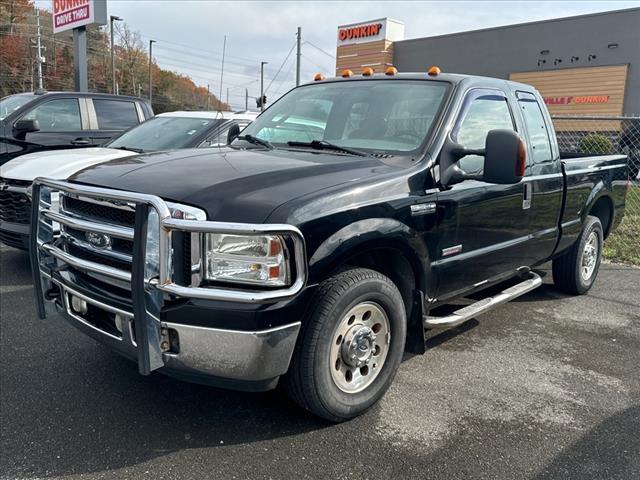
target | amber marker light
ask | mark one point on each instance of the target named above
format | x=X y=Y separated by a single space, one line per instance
x=391 y=71
x=367 y=72
x=346 y=73
x=434 y=71
x=318 y=77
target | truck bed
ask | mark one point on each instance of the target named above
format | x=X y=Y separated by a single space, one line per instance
x=587 y=179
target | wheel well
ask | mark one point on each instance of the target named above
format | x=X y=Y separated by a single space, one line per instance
x=603 y=209
x=393 y=264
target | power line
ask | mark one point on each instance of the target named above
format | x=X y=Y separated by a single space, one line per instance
x=282 y=65
x=316 y=64
x=320 y=49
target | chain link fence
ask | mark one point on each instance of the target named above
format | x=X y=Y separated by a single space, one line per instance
x=602 y=135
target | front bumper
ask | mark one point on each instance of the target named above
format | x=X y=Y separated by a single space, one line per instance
x=237 y=359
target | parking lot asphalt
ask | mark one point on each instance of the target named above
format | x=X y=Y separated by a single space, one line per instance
x=545 y=387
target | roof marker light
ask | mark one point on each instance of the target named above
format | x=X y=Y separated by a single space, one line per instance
x=346 y=73
x=318 y=77
x=433 y=71
x=367 y=71
x=391 y=70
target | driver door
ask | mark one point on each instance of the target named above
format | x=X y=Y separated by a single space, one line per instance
x=483 y=227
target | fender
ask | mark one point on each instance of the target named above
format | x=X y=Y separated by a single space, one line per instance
x=599 y=190
x=370 y=234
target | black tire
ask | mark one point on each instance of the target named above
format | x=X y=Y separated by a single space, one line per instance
x=567 y=269
x=309 y=381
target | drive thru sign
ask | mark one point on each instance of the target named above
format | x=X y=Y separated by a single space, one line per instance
x=68 y=14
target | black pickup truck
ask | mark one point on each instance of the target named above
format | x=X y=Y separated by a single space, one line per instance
x=328 y=237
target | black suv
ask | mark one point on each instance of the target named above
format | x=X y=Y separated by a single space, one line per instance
x=30 y=122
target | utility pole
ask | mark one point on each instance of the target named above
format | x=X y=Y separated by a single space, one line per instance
x=246 y=99
x=224 y=49
x=208 y=95
x=227 y=95
x=151 y=42
x=298 y=55
x=39 y=47
x=112 y=19
x=262 y=64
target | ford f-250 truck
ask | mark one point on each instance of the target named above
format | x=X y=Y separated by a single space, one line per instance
x=317 y=247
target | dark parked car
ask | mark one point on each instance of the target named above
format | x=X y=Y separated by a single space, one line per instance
x=30 y=122
x=323 y=241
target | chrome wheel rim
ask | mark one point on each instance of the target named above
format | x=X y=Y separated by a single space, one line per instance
x=589 y=258
x=359 y=347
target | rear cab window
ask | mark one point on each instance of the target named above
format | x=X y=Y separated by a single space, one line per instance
x=115 y=114
x=539 y=140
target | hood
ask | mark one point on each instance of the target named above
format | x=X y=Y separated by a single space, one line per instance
x=232 y=185
x=58 y=164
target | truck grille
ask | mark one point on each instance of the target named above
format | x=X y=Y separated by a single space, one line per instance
x=115 y=214
x=15 y=206
x=114 y=252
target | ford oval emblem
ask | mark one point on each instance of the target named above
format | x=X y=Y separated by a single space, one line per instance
x=98 y=240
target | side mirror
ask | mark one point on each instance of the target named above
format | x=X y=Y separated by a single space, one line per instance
x=505 y=157
x=233 y=133
x=22 y=127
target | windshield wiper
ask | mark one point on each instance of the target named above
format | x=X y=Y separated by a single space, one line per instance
x=131 y=149
x=324 y=145
x=256 y=141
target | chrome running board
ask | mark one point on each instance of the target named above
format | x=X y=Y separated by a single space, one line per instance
x=482 y=306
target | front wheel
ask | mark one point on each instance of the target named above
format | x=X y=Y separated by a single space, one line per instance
x=350 y=345
x=576 y=270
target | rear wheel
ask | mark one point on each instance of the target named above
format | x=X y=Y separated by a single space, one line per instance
x=350 y=345
x=576 y=270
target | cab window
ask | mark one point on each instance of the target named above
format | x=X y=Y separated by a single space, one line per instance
x=59 y=115
x=481 y=113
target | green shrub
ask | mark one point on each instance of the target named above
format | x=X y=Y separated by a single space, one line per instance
x=595 y=143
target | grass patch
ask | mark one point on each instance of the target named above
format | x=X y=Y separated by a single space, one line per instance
x=623 y=245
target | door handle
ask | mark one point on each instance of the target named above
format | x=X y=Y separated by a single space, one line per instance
x=80 y=141
x=527 y=193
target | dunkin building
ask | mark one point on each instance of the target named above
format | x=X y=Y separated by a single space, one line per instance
x=583 y=65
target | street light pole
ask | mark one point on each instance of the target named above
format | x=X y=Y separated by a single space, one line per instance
x=151 y=42
x=112 y=19
x=262 y=64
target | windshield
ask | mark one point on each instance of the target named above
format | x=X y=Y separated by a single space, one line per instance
x=10 y=104
x=164 y=133
x=377 y=116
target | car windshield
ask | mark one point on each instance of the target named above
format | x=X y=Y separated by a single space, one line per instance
x=374 y=116
x=10 y=104
x=164 y=133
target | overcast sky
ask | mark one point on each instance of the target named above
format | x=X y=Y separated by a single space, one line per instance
x=190 y=33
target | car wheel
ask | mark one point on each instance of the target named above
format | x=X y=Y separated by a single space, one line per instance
x=576 y=270
x=350 y=345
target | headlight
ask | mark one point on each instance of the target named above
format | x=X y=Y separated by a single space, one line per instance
x=251 y=259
